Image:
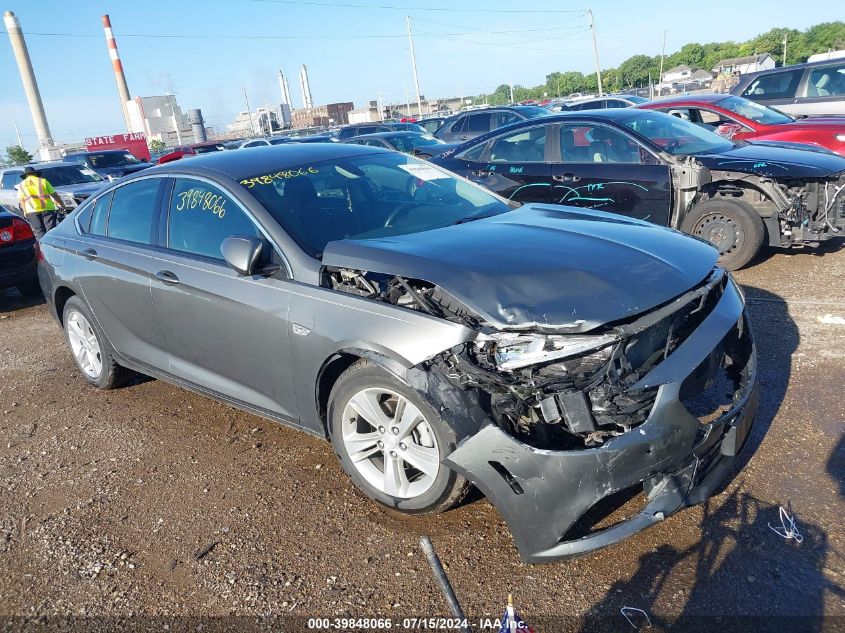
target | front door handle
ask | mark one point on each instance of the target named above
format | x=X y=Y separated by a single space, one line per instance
x=167 y=277
x=89 y=253
x=567 y=177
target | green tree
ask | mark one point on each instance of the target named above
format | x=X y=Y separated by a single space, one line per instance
x=156 y=145
x=17 y=155
x=636 y=70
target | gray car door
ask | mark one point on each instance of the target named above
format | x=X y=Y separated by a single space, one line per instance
x=113 y=268
x=225 y=333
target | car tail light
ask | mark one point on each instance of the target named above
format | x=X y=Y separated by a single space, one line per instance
x=39 y=254
x=18 y=232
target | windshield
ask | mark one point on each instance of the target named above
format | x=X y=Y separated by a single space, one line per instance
x=69 y=175
x=532 y=112
x=409 y=142
x=754 y=111
x=369 y=196
x=674 y=135
x=636 y=99
x=112 y=159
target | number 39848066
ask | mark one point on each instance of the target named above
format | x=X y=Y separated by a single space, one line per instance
x=205 y=200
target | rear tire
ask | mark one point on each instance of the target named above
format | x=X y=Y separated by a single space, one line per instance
x=732 y=226
x=366 y=408
x=94 y=356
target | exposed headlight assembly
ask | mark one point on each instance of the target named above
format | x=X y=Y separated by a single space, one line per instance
x=67 y=199
x=513 y=351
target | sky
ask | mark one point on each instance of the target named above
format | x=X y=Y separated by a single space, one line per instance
x=207 y=51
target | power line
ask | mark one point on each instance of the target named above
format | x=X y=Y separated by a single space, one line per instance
x=290 y=37
x=346 y=5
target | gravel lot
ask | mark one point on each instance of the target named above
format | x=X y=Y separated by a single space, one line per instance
x=153 y=501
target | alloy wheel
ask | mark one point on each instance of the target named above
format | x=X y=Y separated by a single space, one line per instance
x=84 y=345
x=390 y=443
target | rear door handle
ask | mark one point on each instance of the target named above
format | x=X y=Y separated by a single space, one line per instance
x=89 y=253
x=567 y=177
x=167 y=277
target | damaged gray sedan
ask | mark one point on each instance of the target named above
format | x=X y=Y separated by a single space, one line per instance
x=436 y=334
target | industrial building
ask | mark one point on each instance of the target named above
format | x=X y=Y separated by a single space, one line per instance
x=161 y=119
x=324 y=115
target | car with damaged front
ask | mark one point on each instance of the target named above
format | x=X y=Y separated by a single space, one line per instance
x=739 y=196
x=436 y=334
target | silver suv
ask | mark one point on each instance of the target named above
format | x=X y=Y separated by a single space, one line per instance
x=73 y=183
x=816 y=89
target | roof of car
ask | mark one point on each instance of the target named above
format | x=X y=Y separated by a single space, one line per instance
x=250 y=161
x=37 y=166
x=392 y=134
x=99 y=151
x=704 y=98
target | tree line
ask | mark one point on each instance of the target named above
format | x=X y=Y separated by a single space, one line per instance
x=639 y=70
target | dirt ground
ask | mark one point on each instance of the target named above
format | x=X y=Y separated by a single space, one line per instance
x=152 y=501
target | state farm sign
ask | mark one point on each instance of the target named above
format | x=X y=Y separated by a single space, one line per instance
x=136 y=143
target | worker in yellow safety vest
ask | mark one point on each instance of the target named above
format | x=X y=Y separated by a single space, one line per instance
x=38 y=201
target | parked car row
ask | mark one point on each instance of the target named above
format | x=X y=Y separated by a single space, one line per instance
x=433 y=331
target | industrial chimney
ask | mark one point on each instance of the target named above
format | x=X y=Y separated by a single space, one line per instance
x=306 y=89
x=197 y=125
x=120 y=77
x=30 y=86
x=282 y=88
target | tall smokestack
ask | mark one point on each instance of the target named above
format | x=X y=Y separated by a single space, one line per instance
x=119 y=76
x=30 y=86
x=285 y=98
x=306 y=89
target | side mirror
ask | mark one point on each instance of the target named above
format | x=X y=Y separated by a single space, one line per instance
x=243 y=253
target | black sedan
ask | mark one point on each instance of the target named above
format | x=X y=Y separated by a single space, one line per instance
x=18 y=254
x=655 y=167
x=422 y=145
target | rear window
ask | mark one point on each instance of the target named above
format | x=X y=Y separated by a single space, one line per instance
x=774 y=85
x=133 y=210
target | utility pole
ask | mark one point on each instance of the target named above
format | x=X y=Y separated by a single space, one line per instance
x=511 y=84
x=249 y=113
x=595 y=51
x=408 y=105
x=414 y=65
x=18 y=133
x=662 y=55
x=785 y=36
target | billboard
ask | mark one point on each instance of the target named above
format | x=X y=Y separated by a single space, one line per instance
x=135 y=142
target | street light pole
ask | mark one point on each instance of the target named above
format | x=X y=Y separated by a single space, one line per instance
x=414 y=66
x=595 y=51
x=785 y=36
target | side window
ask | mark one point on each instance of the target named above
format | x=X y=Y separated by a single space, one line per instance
x=774 y=85
x=201 y=216
x=458 y=126
x=825 y=82
x=524 y=146
x=474 y=153
x=615 y=103
x=133 y=209
x=478 y=123
x=99 y=215
x=597 y=144
x=10 y=179
x=500 y=119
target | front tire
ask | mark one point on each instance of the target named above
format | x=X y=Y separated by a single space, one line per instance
x=91 y=351
x=391 y=442
x=732 y=226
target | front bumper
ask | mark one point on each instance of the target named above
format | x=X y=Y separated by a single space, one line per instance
x=678 y=460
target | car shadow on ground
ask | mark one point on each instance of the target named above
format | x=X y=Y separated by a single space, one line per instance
x=827 y=247
x=740 y=565
x=11 y=300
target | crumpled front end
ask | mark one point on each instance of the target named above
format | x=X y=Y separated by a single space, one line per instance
x=665 y=402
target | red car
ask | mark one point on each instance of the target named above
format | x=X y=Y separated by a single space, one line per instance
x=738 y=118
x=180 y=151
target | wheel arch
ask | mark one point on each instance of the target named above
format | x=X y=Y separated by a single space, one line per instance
x=60 y=298
x=766 y=199
x=339 y=362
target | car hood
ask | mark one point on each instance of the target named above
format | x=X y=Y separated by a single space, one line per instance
x=774 y=161
x=542 y=267
x=84 y=189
